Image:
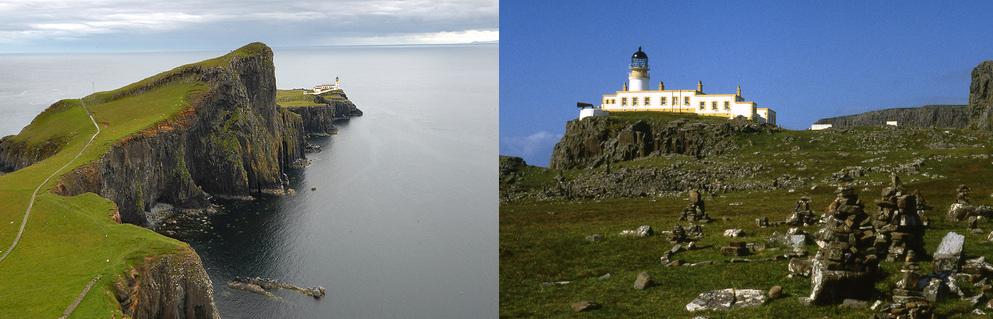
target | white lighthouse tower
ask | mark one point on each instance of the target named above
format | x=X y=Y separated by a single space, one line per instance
x=638 y=78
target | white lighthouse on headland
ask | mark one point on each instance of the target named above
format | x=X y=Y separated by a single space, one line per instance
x=638 y=76
x=635 y=96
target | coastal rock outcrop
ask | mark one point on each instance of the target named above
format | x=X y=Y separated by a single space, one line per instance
x=981 y=97
x=928 y=116
x=598 y=141
x=232 y=142
x=167 y=286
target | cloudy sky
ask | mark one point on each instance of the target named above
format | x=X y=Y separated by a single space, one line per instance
x=135 y=25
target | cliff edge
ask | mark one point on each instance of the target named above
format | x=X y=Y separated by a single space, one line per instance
x=928 y=116
x=981 y=97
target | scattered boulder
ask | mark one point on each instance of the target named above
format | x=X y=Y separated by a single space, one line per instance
x=643 y=281
x=799 y=267
x=735 y=232
x=604 y=277
x=585 y=305
x=642 y=231
x=735 y=249
x=854 y=304
x=775 y=292
x=594 y=238
x=949 y=253
x=725 y=299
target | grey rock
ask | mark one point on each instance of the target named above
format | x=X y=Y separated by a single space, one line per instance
x=735 y=232
x=643 y=281
x=726 y=299
x=981 y=97
x=854 y=304
x=949 y=253
x=775 y=292
x=585 y=305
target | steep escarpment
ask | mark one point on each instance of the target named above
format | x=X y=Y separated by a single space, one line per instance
x=598 y=141
x=928 y=116
x=318 y=111
x=231 y=141
x=167 y=286
x=981 y=97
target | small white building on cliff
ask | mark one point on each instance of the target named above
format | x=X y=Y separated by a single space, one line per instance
x=636 y=96
x=323 y=88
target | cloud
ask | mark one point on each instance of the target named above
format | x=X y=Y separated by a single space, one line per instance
x=443 y=37
x=310 y=22
x=535 y=148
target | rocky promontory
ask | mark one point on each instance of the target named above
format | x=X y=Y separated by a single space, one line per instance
x=167 y=286
x=597 y=141
x=928 y=116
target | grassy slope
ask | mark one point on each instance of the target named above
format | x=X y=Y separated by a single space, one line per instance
x=543 y=241
x=68 y=240
x=297 y=98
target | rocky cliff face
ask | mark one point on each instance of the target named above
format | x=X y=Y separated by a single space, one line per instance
x=928 y=116
x=234 y=142
x=167 y=286
x=981 y=97
x=598 y=141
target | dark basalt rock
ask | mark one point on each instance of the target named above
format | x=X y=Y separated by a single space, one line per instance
x=981 y=97
x=167 y=286
x=599 y=141
x=234 y=142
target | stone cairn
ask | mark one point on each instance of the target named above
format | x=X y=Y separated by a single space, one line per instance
x=844 y=266
x=695 y=212
x=899 y=227
x=682 y=238
x=963 y=209
x=802 y=214
x=908 y=296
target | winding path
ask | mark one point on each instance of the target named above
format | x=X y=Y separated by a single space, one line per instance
x=27 y=212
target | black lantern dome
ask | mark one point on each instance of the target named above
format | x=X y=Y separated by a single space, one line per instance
x=639 y=59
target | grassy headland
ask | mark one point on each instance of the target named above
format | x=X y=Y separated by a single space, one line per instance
x=69 y=240
x=543 y=240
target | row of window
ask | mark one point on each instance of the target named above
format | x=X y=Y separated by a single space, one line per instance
x=686 y=101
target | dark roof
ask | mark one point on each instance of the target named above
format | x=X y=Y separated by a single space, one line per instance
x=639 y=55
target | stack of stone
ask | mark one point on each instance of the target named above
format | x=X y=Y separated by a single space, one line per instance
x=899 y=227
x=908 y=296
x=802 y=215
x=844 y=265
x=695 y=212
x=735 y=249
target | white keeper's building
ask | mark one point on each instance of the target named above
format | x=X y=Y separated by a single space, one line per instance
x=637 y=97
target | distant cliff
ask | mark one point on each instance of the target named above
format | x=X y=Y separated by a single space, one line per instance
x=928 y=116
x=981 y=97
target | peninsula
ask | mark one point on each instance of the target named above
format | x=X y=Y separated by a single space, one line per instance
x=82 y=180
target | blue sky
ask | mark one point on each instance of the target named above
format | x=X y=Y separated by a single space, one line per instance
x=805 y=59
x=143 y=25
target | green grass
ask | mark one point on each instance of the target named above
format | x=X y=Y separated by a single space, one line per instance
x=69 y=240
x=298 y=98
x=543 y=241
x=295 y=98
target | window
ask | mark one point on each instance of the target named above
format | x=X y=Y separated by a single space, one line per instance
x=713 y=105
x=703 y=105
x=624 y=101
x=662 y=101
x=686 y=101
x=648 y=101
x=634 y=101
x=727 y=106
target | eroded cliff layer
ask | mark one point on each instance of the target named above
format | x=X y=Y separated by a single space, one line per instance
x=232 y=141
x=597 y=141
x=167 y=286
x=981 y=97
x=928 y=116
